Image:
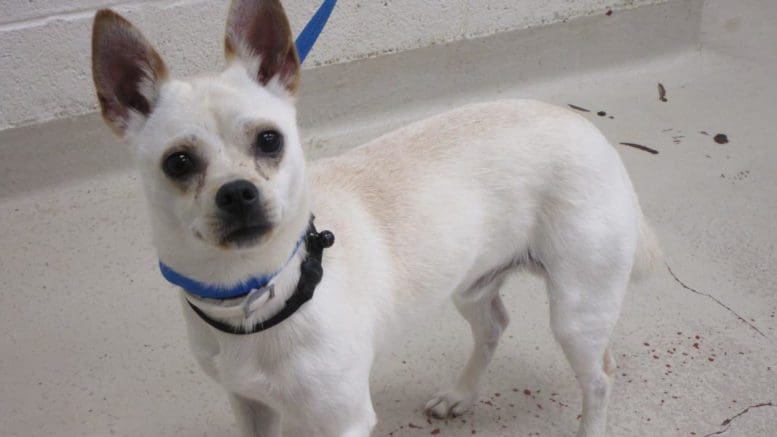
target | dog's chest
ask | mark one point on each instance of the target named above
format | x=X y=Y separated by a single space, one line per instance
x=251 y=366
x=241 y=366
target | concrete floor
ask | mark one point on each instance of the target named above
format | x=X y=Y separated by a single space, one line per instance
x=86 y=349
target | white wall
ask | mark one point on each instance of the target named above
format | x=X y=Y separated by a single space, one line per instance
x=44 y=44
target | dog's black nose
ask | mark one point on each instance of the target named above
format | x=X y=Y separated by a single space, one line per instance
x=237 y=197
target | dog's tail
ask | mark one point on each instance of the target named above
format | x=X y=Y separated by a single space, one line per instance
x=648 y=254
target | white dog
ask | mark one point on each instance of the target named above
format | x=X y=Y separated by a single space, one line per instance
x=446 y=207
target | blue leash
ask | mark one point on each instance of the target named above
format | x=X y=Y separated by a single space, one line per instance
x=313 y=29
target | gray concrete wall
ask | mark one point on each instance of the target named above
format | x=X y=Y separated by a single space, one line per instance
x=44 y=44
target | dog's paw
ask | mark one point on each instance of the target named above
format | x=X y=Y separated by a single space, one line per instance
x=450 y=403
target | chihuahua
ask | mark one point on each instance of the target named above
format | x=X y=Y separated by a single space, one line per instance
x=444 y=208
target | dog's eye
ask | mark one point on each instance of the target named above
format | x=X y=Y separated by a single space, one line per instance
x=269 y=141
x=178 y=165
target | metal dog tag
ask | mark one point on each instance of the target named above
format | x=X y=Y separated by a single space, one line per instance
x=255 y=294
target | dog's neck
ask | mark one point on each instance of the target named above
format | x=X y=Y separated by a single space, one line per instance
x=240 y=289
x=234 y=301
x=248 y=313
x=224 y=268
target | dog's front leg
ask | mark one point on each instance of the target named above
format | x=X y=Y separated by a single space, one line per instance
x=355 y=418
x=363 y=423
x=340 y=409
x=255 y=419
x=362 y=417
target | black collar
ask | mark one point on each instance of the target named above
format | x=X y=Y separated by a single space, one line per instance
x=310 y=275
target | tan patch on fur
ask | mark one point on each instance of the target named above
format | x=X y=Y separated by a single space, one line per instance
x=229 y=50
x=258 y=168
x=609 y=365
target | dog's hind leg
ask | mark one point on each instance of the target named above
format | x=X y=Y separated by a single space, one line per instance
x=255 y=419
x=583 y=316
x=487 y=318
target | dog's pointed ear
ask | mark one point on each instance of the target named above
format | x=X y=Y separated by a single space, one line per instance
x=259 y=35
x=127 y=71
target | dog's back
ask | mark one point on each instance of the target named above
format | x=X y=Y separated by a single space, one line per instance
x=488 y=183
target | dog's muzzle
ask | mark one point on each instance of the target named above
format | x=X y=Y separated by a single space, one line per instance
x=242 y=218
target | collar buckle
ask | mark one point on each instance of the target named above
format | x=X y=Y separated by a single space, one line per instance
x=254 y=295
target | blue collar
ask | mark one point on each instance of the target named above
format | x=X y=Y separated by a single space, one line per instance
x=206 y=291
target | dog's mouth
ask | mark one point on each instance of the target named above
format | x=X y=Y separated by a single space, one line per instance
x=244 y=236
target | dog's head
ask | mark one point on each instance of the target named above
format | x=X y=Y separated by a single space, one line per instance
x=220 y=155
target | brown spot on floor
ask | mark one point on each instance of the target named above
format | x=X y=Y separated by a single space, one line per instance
x=661 y=92
x=578 y=108
x=641 y=147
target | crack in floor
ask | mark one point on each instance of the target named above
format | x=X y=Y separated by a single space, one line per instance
x=727 y=423
x=701 y=293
